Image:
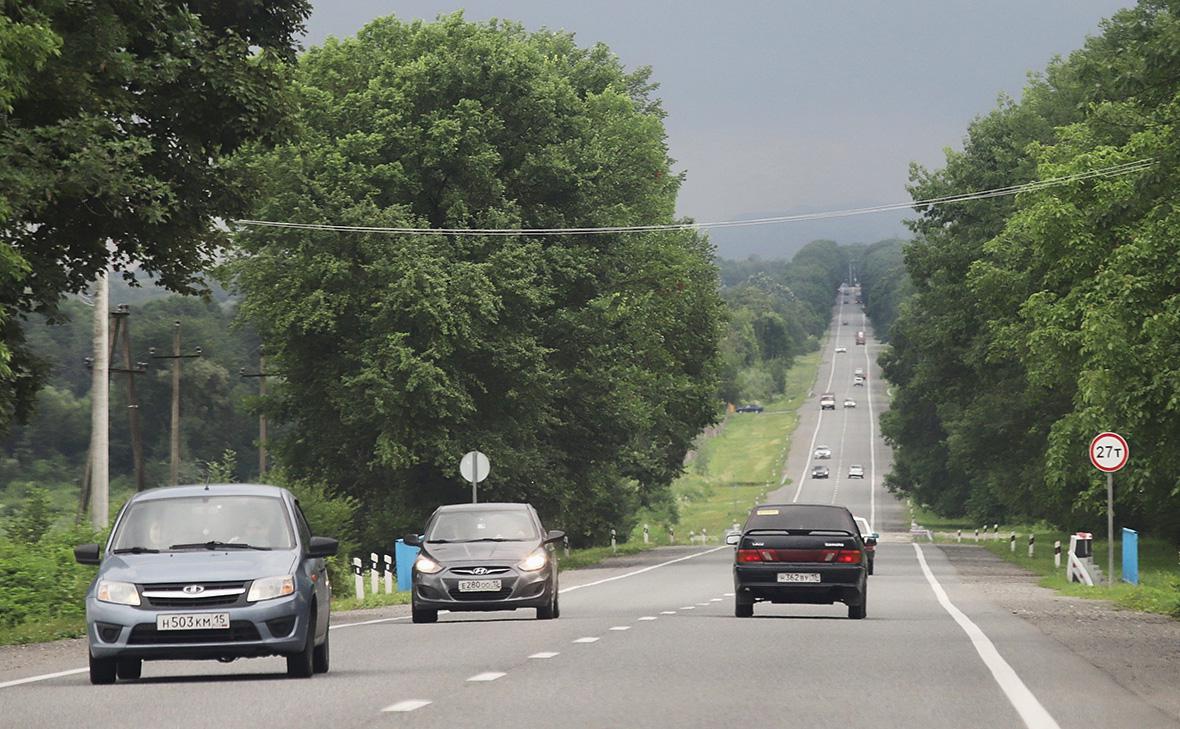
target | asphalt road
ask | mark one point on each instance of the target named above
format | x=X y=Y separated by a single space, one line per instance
x=652 y=642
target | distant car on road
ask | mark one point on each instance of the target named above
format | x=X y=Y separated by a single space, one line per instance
x=858 y=382
x=751 y=408
x=858 y=372
x=823 y=452
x=844 y=323
x=204 y=572
x=856 y=471
x=841 y=350
x=484 y=557
x=800 y=553
x=866 y=531
x=849 y=402
x=820 y=472
x=827 y=401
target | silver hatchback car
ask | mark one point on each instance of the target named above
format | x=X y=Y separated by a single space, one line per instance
x=208 y=572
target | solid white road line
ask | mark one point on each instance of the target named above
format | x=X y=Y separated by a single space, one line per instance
x=1035 y=715
x=621 y=627
x=374 y=622
x=872 y=430
x=545 y=654
x=645 y=569
x=487 y=676
x=407 y=705
x=819 y=421
x=45 y=677
x=588 y=639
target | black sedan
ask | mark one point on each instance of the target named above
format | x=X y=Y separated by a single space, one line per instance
x=820 y=472
x=800 y=553
x=751 y=408
x=484 y=557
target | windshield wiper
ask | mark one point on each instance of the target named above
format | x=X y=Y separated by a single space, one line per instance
x=135 y=550
x=218 y=545
x=495 y=539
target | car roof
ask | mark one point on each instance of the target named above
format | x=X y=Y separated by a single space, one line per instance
x=218 y=489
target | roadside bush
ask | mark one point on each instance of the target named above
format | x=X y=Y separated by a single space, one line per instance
x=42 y=580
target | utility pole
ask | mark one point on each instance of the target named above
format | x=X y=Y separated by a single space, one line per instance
x=176 y=357
x=261 y=374
x=120 y=319
x=99 y=484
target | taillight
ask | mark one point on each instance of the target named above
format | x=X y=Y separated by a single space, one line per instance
x=749 y=555
x=848 y=556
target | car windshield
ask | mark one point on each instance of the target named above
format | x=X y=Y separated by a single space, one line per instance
x=198 y=522
x=484 y=525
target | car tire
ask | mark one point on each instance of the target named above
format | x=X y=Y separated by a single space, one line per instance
x=548 y=612
x=129 y=668
x=860 y=609
x=422 y=615
x=743 y=608
x=102 y=670
x=302 y=664
x=871 y=562
x=321 y=657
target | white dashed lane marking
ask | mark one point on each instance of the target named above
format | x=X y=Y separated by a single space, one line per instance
x=667 y=612
x=587 y=640
x=407 y=705
x=488 y=676
x=545 y=654
x=621 y=627
x=648 y=617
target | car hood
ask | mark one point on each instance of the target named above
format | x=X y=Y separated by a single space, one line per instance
x=197 y=566
x=477 y=551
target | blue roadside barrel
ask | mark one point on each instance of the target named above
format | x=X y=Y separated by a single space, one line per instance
x=404 y=556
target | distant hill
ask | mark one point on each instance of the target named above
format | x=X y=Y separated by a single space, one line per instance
x=783 y=240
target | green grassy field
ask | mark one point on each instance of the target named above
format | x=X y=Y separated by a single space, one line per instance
x=1158 y=590
x=737 y=468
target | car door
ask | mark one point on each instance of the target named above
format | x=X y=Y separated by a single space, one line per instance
x=316 y=570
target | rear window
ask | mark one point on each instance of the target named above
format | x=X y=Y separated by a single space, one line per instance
x=795 y=517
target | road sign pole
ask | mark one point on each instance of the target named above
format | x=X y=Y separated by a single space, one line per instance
x=1110 y=528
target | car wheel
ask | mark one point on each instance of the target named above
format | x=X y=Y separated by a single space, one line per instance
x=743 y=607
x=127 y=668
x=860 y=609
x=550 y=611
x=421 y=615
x=321 y=656
x=102 y=670
x=871 y=562
x=300 y=665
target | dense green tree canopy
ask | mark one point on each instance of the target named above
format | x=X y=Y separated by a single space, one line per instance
x=583 y=365
x=115 y=120
x=1039 y=321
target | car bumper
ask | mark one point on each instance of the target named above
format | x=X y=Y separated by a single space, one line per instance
x=520 y=589
x=838 y=583
x=267 y=628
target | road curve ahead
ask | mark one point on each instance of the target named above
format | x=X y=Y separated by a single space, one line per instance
x=652 y=642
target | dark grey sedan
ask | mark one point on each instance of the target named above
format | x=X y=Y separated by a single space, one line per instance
x=208 y=572
x=485 y=557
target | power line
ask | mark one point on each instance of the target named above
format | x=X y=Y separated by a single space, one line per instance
x=1118 y=170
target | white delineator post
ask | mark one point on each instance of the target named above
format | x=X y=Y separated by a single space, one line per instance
x=976 y=536
x=360 y=580
x=646 y=539
x=1032 y=541
x=388 y=574
x=1012 y=543
x=1057 y=554
x=613 y=547
x=995 y=531
x=960 y=535
x=373 y=572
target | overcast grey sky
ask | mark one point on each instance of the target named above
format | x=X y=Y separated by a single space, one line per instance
x=784 y=106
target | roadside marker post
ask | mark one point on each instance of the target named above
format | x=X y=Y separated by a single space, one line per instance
x=373 y=572
x=613 y=548
x=960 y=535
x=995 y=531
x=360 y=580
x=646 y=539
x=1109 y=452
x=565 y=543
x=977 y=536
x=672 y=536
x=388 y=574
x=1032 y=541
x=1012 y=543
x=1057 y=554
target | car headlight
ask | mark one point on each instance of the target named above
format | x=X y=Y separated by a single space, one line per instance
x=534 y=561
x=268 y=588
x=120 y=593
x=426 y=565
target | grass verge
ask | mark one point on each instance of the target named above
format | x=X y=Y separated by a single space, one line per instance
x=1158 y=590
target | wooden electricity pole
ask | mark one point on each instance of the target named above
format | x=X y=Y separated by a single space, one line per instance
x=261 y=374
x=176 y=357
x=121 y=328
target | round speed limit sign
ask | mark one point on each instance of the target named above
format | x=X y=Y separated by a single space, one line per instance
x=1109 y=452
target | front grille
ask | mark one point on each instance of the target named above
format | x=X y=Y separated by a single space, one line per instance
x=193 y=602
x=240 y=631
x=486 y=571
x=179 y=586
x=197 y=601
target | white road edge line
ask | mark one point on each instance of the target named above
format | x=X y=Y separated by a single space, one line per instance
x=1035 y=715
x=872 y=429
x=373 y=622
x=571 y=588
x=44 y=677
x=408 y=705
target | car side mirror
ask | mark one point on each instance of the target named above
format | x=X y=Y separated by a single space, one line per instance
x=412 y=540
x=871 y=540
x=555 y=535
x=733 y=538
x=322 y=547
x=87 y=554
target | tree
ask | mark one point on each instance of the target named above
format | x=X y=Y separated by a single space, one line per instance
x=117 y=120
x=582 y=365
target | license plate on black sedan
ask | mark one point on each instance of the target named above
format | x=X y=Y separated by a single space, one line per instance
x=479 y=585
x=798 y=577
x=193 y=621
